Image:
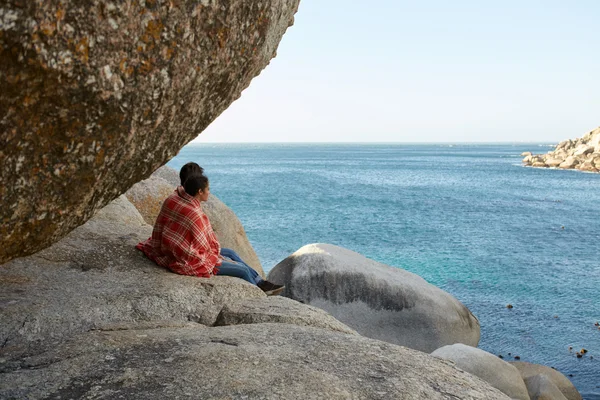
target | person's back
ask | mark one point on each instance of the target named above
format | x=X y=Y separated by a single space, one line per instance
x=182 y=238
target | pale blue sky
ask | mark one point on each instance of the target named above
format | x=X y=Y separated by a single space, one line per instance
x=426 y=71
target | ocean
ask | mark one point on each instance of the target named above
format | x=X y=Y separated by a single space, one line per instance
x=467 y=218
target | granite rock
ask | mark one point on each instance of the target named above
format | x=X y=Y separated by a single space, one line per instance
x=553 y=162
x=376 y=300
x=95 y=277
x=259 y=361
x=278 y=309
x=97 y=95
x=498 y=373
x=540 y=387
x=563 y=383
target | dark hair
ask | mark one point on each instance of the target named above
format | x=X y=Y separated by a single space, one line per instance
x=195 y=183
x=189 y=169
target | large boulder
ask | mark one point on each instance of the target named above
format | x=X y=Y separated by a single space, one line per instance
x=587 y=166
x=260 y=361
x=94 y=277
x=278 y=309
x=97 y=95
x=377 y=300
x=583 y=149
x=486 y=366
x=569 y=162
x=540 y=387
x=148 y=195
x=553 y=162
x=563 y=383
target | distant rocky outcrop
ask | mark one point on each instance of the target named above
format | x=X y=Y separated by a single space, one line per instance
x=148 y=195
x=377 y=300
x=490 y=368
x=97 y=95
x=582 y=154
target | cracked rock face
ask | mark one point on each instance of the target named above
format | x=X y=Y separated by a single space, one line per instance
x=96 y=95
x=280 y=310
x=260 y=361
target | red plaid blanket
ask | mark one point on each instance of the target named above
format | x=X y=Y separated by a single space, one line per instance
x=183 y=239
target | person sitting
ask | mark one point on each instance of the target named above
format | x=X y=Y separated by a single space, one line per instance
x=192 y=168
x=183 y=239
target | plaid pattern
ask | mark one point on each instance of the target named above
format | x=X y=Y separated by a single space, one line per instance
x=183 y=239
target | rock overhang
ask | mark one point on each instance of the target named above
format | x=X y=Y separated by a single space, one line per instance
x=95 y=97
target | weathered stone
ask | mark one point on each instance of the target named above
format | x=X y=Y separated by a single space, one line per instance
x=281 y=310
x=527 y=159
x=498 y=373
x=583 y=149
x=565 y=144
x=594 y=137
x=97 y=95
x=148 y=195
x=526 y=153
x=95 y=277
x=536 y=159
x=540 y=387
x=563 y=383
x=377 y=300
x=587 y=166
x=570 y=162
x=560 y=154
x=260 y=361
x=553 y=162
x=541 y=164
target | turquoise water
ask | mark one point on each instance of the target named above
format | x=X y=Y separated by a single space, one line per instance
x=467 y=218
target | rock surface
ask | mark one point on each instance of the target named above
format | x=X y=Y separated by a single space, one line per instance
x=261 y=361
x=563 y=383
x=95 y=277
x=97 y=95
x=278 y=309
x=490 y=368
x=148 y=195
x=540 y=387
x=377 y=300
x=578 y=154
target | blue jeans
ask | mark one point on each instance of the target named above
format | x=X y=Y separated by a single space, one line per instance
x=233 y=265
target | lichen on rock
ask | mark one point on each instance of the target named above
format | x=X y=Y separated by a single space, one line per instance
x=97 y=95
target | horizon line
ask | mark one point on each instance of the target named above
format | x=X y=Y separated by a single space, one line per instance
x=409 y=143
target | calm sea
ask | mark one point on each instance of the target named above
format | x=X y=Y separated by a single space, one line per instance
x=467 y=218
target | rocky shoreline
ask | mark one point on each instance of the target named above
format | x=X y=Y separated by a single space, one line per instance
x=582 y=154
x=97 y=97
x=90 y=317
